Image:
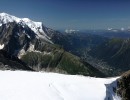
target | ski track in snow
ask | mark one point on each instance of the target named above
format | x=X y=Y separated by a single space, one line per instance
x=22 y=85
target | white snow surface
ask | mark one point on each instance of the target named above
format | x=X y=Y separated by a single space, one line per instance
x=2 y=46
x=37 y=27
x=22 y=85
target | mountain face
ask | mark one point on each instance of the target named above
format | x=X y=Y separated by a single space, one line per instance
x=19 y=35
x=36 y=27
x=123 y=86
x=9 y=62
x=116 y=52
x=33 y=44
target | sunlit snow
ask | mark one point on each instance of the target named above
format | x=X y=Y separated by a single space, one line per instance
x=2 y=46
x=20 y=85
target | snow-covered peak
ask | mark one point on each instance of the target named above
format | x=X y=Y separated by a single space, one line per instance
x=6 y=18
x=109 y=29
x=26 y=19
x=37 y=27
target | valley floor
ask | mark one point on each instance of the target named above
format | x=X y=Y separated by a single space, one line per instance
x=22 y=85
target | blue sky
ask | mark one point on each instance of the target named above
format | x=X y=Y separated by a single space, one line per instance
x=74 y=14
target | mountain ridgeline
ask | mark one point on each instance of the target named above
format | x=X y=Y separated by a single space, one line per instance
x=32 y=45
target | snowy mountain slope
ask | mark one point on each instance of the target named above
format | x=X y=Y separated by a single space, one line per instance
x=37 y=27
x=20 y=85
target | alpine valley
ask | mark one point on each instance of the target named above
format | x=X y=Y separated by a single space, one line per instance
x=105 y=50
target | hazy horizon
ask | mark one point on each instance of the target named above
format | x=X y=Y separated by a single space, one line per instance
x=72 y=14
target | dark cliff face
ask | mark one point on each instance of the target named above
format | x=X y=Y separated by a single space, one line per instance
x=15 y=37
x=123 y=87
x=9 y=62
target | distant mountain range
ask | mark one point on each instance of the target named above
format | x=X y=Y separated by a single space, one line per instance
x=116 y=34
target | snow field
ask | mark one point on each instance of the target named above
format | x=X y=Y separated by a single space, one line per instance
x=22 y=85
